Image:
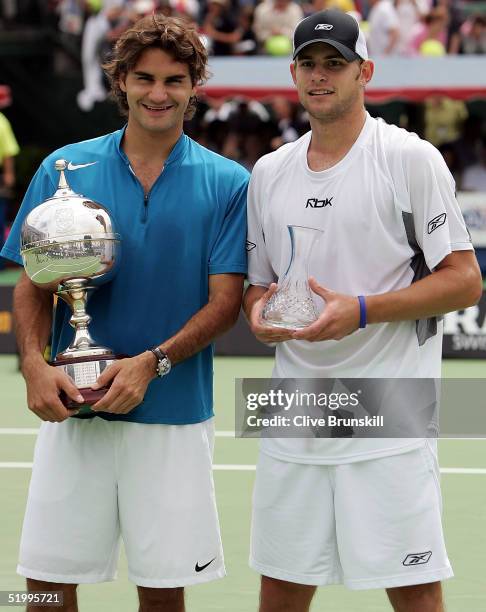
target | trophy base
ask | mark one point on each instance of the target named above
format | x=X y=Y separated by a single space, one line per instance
x=286 y=324
x=84 y=371
x=90 y=397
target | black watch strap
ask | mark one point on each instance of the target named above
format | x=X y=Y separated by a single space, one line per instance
x=163 y=361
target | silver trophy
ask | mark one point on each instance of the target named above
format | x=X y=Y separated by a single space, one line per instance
x=292 y=305
x=69 y=246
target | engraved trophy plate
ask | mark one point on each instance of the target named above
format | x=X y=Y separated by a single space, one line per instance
x=85 y=373
x=69 y=246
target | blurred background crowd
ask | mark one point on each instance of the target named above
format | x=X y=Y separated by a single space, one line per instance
x=248 y=27
x=82 y=33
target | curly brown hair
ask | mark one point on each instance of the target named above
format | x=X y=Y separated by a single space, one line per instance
x=173 y=35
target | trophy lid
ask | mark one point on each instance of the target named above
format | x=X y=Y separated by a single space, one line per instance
x=68 y=236
x=66 y=216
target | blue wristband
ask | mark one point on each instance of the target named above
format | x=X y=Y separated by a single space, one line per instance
x=362 y=311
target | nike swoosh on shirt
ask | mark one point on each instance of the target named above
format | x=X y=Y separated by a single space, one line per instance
x=199 y=568
x=72 y=166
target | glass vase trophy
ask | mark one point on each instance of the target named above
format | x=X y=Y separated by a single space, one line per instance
x=292 y=305
x=69 y=246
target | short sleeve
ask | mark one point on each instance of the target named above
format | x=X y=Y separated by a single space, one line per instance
x=40 y=188
x=260 y=271
x=228 y=253
x=439 y=224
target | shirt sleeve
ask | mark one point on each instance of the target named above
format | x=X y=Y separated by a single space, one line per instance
x=260 y=271
x=228 y=253
x=439 y=224
x=41 y=187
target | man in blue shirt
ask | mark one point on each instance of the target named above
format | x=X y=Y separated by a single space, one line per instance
x=143 y=470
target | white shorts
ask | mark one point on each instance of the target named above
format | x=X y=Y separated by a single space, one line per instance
x=95 y=480
x=369 y=524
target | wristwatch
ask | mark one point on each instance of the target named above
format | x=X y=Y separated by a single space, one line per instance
x=163 y=362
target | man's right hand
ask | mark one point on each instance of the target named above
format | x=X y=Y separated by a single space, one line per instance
x=44 y=384
x=265 y=333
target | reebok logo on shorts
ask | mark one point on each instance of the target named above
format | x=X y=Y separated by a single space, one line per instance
x=436 y=222
x=417 y=558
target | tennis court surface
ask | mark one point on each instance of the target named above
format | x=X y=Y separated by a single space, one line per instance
x=463 y=464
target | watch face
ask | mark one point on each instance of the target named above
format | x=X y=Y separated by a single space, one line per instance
x=163 y=367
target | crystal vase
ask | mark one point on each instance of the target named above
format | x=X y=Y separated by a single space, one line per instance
x=292 y=305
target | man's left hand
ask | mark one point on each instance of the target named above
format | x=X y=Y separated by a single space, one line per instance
x=129 y=381
x=339 y=318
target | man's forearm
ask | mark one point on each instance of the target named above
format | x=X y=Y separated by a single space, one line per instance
x=219 y=315
x=443 y=291
x=252 y=295
x=32 y=309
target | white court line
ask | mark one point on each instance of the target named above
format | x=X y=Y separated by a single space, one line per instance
x=241 y=467
x=19 y=431
x=32 y=431
x=463 y=470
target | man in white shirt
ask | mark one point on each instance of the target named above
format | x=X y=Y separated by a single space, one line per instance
x=276 y=18
x=384 y=30
x=395 y=254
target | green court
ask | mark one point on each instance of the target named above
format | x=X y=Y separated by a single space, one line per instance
x=464 y=493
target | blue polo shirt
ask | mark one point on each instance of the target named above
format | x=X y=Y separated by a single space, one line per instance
x=192 y=225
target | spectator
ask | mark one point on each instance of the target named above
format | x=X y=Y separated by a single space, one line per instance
x=455 y=19
x=433 y=28
x=314 y=6
x=410 y=13
x=96 y=28
x=288 y=125
x=221 y=28
x=71 y=17
x=248 y=43
x=231 y=126
x=474 y=178
x=8 y=12
x=383 y=28
x=473 y=39
x=444 y=119
x=276 y=18
x=8 y=150
x=189 y=8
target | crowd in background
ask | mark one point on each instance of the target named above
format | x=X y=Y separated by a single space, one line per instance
x=245 y=130
x=247 y=27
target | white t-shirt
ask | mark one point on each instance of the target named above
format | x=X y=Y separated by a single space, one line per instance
x=382 y=19
x=389 y=216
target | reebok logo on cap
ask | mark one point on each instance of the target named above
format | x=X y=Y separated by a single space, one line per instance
x=334 y=28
